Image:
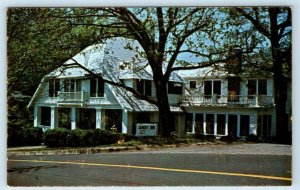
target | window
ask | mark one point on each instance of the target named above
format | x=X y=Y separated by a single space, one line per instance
x=144 y=87
x=45 y=116
x=96 y=87
x=233 y=89
x=69 y=85
x=188 y=122
x=264 y=124
x=261 y=89
x=199 y=123
x=174 y=88
x=192 y=84
x=53 y=87
x=72 y=85
x=244 y=125
x=221 y=121
x=212 y=87
x=210 y=120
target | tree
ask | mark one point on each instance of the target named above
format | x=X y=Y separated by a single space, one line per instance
x=275 y=24
x=164 y=34
x=172 y=39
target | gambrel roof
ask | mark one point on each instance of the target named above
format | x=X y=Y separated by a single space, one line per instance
x=105 y=59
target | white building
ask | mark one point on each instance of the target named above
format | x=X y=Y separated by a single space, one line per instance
x=221 y=104
x=203 y=101
x=69 y=97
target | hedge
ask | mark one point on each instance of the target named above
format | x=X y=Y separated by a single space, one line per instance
x=24 y=136
x=61 y=137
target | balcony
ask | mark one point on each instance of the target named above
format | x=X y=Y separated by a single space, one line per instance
x=72 y=98
x=232 y=100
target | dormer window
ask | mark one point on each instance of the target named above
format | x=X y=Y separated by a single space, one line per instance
x=192 y=84
x=212 y=87
x=97 y=87
x=144 y=87
x=174 y=87
x=54 y=87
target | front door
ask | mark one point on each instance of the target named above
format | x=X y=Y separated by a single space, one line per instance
x=113 y=120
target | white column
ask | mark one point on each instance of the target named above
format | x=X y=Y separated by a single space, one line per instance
x=54 y=118
x=204 y=123
x=226 y=125
x=238 y=125
x=215 y=124
x=36 y=116
x=73 y=118
x=98 y=118
x=124 y=121
x=193 y=123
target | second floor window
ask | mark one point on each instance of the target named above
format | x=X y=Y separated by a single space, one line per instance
x=54 y=87
x=258 y=87
x=174 y=87
x=144 y=87
x=192 y=84
x=212 y=87
x=96 y=87
x=72 y=85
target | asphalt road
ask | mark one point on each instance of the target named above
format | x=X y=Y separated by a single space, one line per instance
x=154 y=168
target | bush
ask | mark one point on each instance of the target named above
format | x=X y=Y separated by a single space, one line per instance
x=229 y=139
x=61 y=137
x=32 y=136
x=75 y=138
x=101 y=137
x=252 y=138
x=24 y=136
x=56 y=137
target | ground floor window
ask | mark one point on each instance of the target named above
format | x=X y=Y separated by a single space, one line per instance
x=210 y=122
x=264 y=124
x=64 y=118
x=45 y=116
x=232 y=125
x=188 y=122
x=199 y=123
x=113 y=120
x=86 y=118
x=221 y=124
x=244 y=125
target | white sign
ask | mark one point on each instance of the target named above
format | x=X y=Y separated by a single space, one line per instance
x=146 y=129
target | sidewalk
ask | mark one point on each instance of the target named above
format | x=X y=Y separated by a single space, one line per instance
x=43 y=150
x=207 y=148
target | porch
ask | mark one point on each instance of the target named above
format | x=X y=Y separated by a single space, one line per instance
x=217 y=100
x=79 y=97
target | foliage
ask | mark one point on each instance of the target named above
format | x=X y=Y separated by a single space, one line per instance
x=56 y=137
x=24 y=136
x=75 y=138
x=61 y=137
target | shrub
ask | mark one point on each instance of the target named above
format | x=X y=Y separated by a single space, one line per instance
x=252 y=138
x=56 y=137
x=75 y=138
x=24 y=136
x=32 y=136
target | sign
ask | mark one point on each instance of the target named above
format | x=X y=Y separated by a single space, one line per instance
x=146 y=129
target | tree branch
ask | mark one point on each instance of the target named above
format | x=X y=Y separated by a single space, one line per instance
x=132 y=90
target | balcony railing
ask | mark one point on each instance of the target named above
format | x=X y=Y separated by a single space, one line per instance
x=250 y=100
x=72 y=97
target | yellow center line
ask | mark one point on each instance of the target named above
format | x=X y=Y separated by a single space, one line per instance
x=158 y=168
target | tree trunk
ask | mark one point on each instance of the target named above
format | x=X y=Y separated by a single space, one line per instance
x=166 y=121
x=280 y=84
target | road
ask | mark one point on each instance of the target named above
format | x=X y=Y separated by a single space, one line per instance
x=150 y=168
